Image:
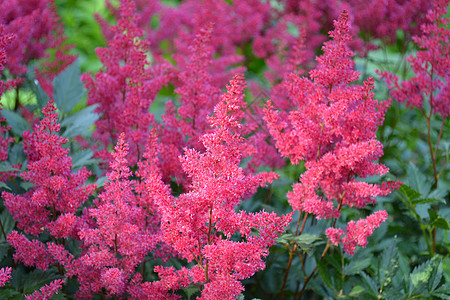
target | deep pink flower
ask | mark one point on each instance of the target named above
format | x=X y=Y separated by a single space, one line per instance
x=5 y=40
x=333 y=129
x=125 y=87
x=199 y=223
x=47 y=291
x=56 y=189
x=5 y=275
x=431 y=65
x=356 y=232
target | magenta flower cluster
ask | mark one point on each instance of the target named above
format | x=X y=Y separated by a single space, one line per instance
x=212 y=145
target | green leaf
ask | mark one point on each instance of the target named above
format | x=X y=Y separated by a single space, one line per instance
x=427 y=200
x=408 y=192
x=442 y=223
x=101 y=181
x=10 y=293
x=16 y=121
x=305 y=241
x=190 y=291
x=436 y=276
x=16 y=155
x=443 y=292
x=4 y=248
x=41 y=96
x=371 y=285
x=417 y=180
x=6 y=167
x=5 y=186
x=79 y=122
x=420 y=277
x=67 y=88
x=389 y=265
x=356 y=266
x=37 y=279
x=325 y=275
x=356 y=291
x=83 y=158
x=7 y=222
x=292 y=29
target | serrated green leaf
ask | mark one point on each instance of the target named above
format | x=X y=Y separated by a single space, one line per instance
x=442 y=223
x=325 y=275
x=305 y=241
x=389 y=265
x=5 y=186
x=371 y=285
x=409 y=192
x=67 y=88
x=427 y=200
x=356 y=266
x=420 y=277
x=435 y=278
x=41 y=96
x=10 y=293
x=6 y=167
x=80 y=158
x=417 y=180
x=16 y=121
x=285 y=238
x=37 y=279
x=445 y=288
x=442 y=296
x=79 y=123
x=8 y=223
x=356 y=291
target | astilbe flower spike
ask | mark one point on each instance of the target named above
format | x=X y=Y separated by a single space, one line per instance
x=33 y=22
x=125 y=231
x=125 y=87
x=431 y=65
x=333 y=129
x=49 y=207
x=183 y=125
x=5 y=275
x=5 y=40
x=47 y=291
x=57 y=192
x=199 y=223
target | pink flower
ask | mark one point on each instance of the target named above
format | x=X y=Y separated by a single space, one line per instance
x=431 y=66
x=125 y=87
x=200 y=222
x=47 y=291
x=5 y=275
x=56 y=189
x=333 y=129
x=356 y=232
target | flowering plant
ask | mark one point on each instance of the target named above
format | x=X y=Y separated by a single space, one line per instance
x=208 y=153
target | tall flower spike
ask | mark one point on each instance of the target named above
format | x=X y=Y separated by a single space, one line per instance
x=333 y=130
x=57 y=191
x=5 y=40
x=125 y=87
x=199 y=223
x=335 y=66
x=431 y=66
x=124 y=231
